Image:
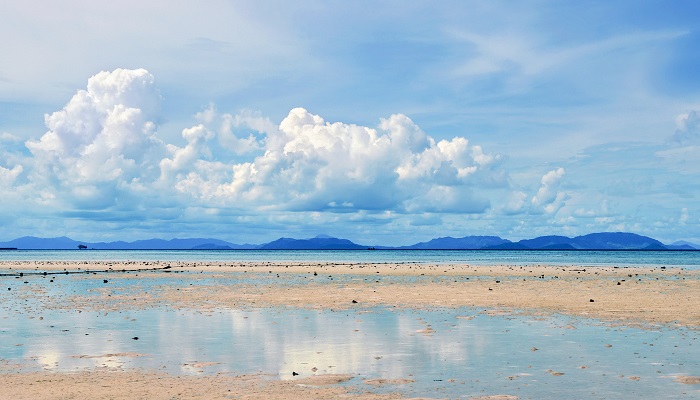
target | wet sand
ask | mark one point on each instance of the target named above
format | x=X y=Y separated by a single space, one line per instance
x=627 y=296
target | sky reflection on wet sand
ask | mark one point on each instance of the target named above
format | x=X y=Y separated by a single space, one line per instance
x=447 y=352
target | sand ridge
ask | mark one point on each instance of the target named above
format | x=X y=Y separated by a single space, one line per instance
x=629 y=295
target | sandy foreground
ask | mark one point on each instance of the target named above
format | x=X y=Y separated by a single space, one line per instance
x=628 y=296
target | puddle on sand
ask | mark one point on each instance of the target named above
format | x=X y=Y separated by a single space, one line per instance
x=437 y=353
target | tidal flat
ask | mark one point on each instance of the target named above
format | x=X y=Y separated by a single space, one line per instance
x=343 y=330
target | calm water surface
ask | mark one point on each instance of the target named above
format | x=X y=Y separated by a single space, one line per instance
x=686 y=259
x=467 y=354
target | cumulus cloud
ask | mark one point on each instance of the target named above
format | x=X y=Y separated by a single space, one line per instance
x=101 y=157
x=104 y=138
x=516 y=203
x=8 y=137
x=8 y=176
x=548 y=198
x=310 y=164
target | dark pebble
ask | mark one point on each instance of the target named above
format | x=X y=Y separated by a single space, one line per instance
x=135 y=338
x=591 y=301
x=354 y=302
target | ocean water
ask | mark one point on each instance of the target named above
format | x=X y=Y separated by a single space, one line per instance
x=684 y=259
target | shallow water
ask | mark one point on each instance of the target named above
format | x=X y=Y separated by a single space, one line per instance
x=685 y=259
x=449 y=353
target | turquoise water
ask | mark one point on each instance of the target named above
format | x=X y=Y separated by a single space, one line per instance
x=685 y=259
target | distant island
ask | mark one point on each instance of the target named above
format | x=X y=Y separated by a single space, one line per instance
x=593 y=241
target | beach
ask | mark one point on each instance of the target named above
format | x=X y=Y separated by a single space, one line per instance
x=643 y=298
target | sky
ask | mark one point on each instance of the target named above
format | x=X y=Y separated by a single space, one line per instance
x=387 y=122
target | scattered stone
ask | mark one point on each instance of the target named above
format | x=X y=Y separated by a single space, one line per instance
x=135 y=338
x=294 y=373
x=591 y=301
x=354 y=302
x=554 y=373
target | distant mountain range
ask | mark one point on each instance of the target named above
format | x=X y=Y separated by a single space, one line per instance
x=593 y=241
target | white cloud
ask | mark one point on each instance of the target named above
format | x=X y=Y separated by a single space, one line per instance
x=8 y=137
x=548 y=198
x=101 y=159
x=8 y=176
x=310 y=164
x=102 y=140
x=516 y=203
x=102 y=152
x=685 y=216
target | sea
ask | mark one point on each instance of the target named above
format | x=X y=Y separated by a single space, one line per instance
x=619 y=258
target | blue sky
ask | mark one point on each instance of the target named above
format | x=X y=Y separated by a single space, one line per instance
x=382 y=122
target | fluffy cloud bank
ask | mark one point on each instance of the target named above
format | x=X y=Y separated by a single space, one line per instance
x=102 y=152
x=103 y=163
x=308 y=164
x=101 y=142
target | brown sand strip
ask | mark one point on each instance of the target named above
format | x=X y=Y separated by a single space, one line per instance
x=157 y=386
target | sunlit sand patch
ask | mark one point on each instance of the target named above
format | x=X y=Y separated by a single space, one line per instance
x=428 y=331
x=323 y=380
x=688 y=380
